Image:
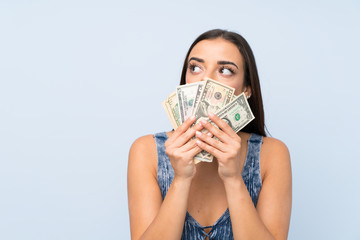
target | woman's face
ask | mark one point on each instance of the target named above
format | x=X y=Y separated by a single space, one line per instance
x=217 y=59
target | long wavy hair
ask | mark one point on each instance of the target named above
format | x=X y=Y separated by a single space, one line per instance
x=251 y=77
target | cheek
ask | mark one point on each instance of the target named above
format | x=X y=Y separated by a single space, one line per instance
x=239 y=87
x=190 y=78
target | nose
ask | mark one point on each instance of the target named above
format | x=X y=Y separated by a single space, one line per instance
x=211 y=75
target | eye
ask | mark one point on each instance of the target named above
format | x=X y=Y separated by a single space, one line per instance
x=226 y=71
x=194 y=68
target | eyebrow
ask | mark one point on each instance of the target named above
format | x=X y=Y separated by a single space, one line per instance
x=227 y=62
x=219 y=62
x=196 y=59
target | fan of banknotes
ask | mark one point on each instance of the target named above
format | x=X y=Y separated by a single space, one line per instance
x=200 y=99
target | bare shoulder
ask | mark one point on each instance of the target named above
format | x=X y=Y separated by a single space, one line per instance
x=274 y=146
x=274 y=156
x=275 y=198
x=144 y=143
x=143 y=153
x=144 y=195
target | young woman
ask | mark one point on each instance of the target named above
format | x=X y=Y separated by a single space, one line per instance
x=245 y=193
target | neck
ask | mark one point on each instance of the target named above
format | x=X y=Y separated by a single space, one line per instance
x=207 y=171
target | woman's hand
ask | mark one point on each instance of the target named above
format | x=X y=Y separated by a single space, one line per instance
x=181 y=149
x=227 y=150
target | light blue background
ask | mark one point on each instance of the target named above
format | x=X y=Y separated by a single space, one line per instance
x=81 y=80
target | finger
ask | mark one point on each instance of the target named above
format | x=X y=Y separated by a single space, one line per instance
x=222 y=124
x=195 y=150
x=223 y=137
x=185 y=137
x=213 y=151
x=189 y=145
x=181 y=129
x=190 y=149
x=211 y=141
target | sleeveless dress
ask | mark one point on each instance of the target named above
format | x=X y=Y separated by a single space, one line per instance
x=221 y=229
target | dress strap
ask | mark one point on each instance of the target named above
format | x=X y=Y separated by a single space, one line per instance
x=160 y=139
x=165 y=172
x=251 y=172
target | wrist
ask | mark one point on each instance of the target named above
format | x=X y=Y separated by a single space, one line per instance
x=232 y=184
x=182 y=181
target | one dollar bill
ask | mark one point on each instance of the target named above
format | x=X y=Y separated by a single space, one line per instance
x=172 y=110
x=214 y=96
x=237 y=114
x=188 y=95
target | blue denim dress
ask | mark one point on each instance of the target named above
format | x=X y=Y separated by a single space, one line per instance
x=221 y=229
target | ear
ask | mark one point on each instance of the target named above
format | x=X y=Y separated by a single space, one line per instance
x=247 y=91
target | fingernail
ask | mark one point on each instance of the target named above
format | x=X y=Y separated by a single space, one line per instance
x=198 y=133
x=203 y=122
x=192 y=118
x=209 y=134
x=198 y=142
x=211 y=115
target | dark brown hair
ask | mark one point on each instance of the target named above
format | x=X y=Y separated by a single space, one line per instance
x=251 y=77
